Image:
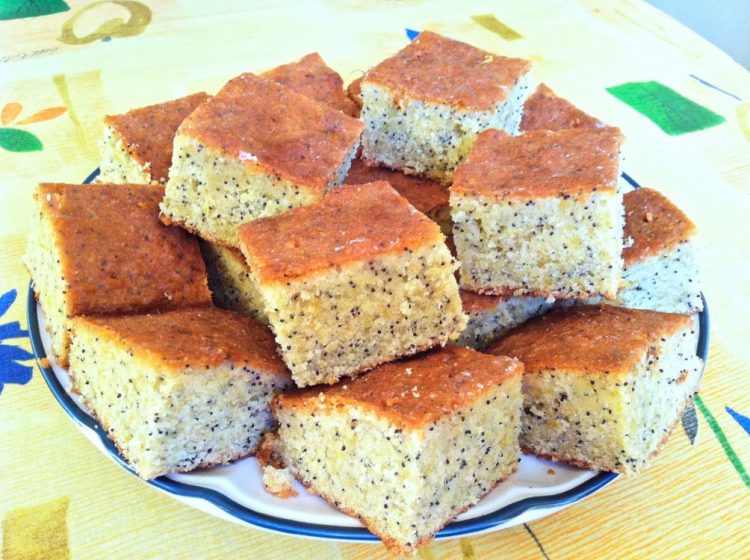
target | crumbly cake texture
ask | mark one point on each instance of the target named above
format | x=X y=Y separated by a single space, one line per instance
x=428 y=196
x=231 y=283
x=256 y=149
x=490 y=317
x=374 y=283
x=137 y=146
x=312 y=77
x=279 y=482
x=661 y=266
x=540 y=214
x=604 y=386
x=101 y=249
x=179 y=390
x=424 y=106
x=544 y=110
x=410 y=445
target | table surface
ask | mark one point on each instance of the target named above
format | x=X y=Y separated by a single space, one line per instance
x=67 y=64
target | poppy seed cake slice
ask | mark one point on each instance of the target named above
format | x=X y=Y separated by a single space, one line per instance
x=428 y=196
x=410 y=445
x=661 y=269
x=179 y=390
x=424 y=106
x=540 y=214
x=355 y=280
x=101 y=249
x=603 y=385
x=544 y=110
x=312 y=77
x=137 y=145
x=255 y=149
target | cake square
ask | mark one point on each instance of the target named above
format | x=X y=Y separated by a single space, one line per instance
x=137 y=145
x=231 y=282
x=424 y=106
x=353 y=281
x=180 y=390
x=312 y=77
x=101 y=249
x=544 y=110
x=661 y=266
x=256 y=149
x=603 y=386
x=428 y=196
x=490 y=317
x=540 y=214
x=410 y=445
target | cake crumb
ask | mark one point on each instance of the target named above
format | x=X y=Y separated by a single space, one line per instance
x=269 y=453
x=278 y=482
x=649 y=217
x=551 y=472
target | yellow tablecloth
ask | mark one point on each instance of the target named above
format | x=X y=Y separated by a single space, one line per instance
x=63 y=65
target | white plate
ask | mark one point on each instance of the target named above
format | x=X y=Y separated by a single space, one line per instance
x=235 y=492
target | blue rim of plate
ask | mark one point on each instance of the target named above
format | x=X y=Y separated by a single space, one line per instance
x=234 y=509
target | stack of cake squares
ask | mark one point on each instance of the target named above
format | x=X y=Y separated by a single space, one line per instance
x=391 y=288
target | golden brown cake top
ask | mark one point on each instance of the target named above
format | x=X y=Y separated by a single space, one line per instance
x=354 y=90
x=543 y=110
x=148 y=132
x=115 y=253
x=424 y=194
x=268 y=126
x=353 y=223
x=415 y=392
x=591 y=339
x=196 y=338
x=654 y=224
x=540 y=163
x=473 y=302
x=312 y=77
x=440 y=70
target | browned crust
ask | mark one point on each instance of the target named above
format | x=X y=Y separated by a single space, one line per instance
x=312 y=77
x=269 y=127
x=393 y=546
x=589 y=339
x=354 y=90
x=148 y=133
x=428 y=196
x=440 y=70
x=654 y=223
x=116 y=256
x=540 y=163
x=473 y=302
x=353 y=223
x=414 y=392
x=592 y=466
x=196 y=338
x=543 y=110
